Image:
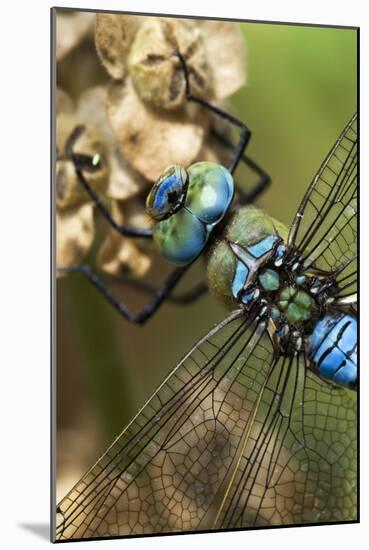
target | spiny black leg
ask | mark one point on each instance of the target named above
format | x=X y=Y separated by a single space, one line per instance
x=90 y=164
x=72 y=139
x=245 y=132
x=264 y=178
x=122 y=229
x=183 y=298
x=238 y=154
x=146 y=312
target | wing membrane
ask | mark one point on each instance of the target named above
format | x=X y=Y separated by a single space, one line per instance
x=325 y=227
x=299 y=465
x=234 y=437
x=167 y=470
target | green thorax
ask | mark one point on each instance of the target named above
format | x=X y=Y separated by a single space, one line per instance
x=295 y=304
x=246 y=226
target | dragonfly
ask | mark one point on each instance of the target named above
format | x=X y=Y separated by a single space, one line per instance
x=256 y=425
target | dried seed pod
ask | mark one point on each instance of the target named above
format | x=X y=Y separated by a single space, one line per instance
x=124 y=181
x=81 y=69
x=74 y=234
x=113 y=36
x=140 y=126
x=71 y=29
x=69 y=191
x=64 y=103
x=213 y=149
x=158 y=74
x=151 y=139
x=120 y=255
x=226 y=55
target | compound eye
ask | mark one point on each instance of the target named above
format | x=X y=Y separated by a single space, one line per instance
x=168 y=194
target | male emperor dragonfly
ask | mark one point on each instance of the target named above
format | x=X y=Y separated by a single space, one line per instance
x=256 y=425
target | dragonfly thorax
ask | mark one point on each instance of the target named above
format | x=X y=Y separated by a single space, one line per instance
x=247 y=247
x=250 y=265
x=287 y=303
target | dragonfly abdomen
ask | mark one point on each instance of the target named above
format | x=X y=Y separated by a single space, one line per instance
x=333 y=345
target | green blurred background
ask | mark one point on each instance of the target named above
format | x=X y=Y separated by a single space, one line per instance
x=301 y=91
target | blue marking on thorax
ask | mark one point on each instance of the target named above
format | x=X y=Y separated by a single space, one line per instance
x=246 y=260
x=333 y=346
x=239 y=279
x=247 y=297
x=264 y=246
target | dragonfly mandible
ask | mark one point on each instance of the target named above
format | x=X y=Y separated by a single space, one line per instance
x=256 y=425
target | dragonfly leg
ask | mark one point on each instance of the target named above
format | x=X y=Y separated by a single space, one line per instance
x=245 y=132
x=264 y=178
x=122 y=229
x=140 y=317
x=84 y=162
x=182 y=298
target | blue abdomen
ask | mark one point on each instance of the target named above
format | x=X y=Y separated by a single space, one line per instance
x=333 y=349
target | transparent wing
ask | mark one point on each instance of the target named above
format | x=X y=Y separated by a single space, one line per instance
x=234 y=437
x=299 y=464
x=324 y=230
x=166 y=471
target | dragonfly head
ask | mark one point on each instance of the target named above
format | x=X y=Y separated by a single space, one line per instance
x=187 y=205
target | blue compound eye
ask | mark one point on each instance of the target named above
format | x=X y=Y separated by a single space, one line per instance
x=168 y=194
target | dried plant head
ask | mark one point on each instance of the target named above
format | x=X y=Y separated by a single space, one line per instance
x=63 y=102
x=69 y=191
x=138 y=124
x=150 y=139
x=213 y=151
x=226 y=55
x=113 y=37
x=147 y=108
x=115 y=180
x=71 y=28
x=74 y=234
x=120 y=255
x=74 y=209
x=157 y=74
x=213 y=148
x=124 y=181
x=143 y=47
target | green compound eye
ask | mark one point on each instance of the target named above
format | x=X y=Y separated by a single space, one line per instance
x=187 y=206
x=180 y=238
x=168 y=194
x=210 y=191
